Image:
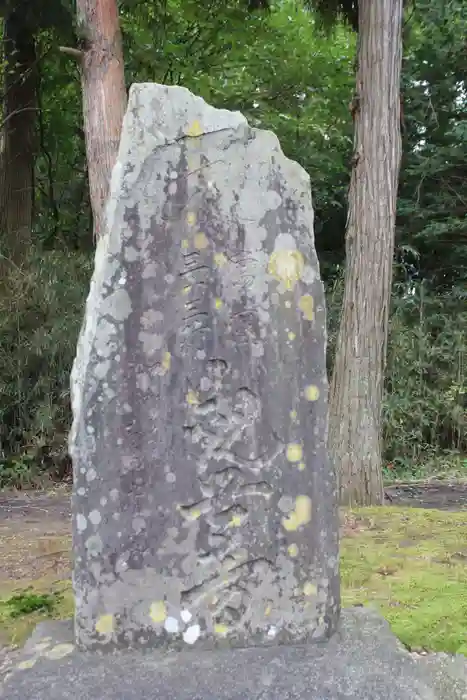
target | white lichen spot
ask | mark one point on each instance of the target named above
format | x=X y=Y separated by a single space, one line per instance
x=91 y=474
x=171 y=625
x=200 y=241
x=94 y=545
x=186 y=616
x=288 y=304
x=173 y=175
x=114 y=495
x=311 y=392
x=306 y=306
x=172 y=188
x=59 y=651
x=220 y=259
x=116 y=516
x=286 y=266
x=294 y=452
x=81 y=491
x=292 y=550
x=95 y=517
x=301 y=515
x=191 y=634
x=105 y=624
x=26 y=664
x=138 y=524
x=170 y=478
x=158 y=611
x=221 y=630
x=309 y=589
x=192 y=398
x=103 y=501
x=272 y=631
x=81 y=522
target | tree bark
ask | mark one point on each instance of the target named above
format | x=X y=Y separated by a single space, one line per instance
x=355 y=430
x=104 y=96
x=18 y=146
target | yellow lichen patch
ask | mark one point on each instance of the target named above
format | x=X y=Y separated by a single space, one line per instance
x=166 y=361
x=218 y=303
x=194 y=129
x=200 y=241
x=286 y=266
x=184 y=244
x=235 y=521
x=186 y=290
x=268 y=610
x=158 y=611
x=306 y=306
x=191 y=218
x=221 y=630
x=219 y=259
x=291 y=335
x=301 y=466
x=192 y=398
x=26 y=664
x=300 y=516
x=195 y=514
x=311 y=392
x=294 y=452
x=59 y=651
x=105 y=624
x=292 y=550
x=293 y=415
x=309 y=589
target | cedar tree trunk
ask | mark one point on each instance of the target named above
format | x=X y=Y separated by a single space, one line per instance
x=355 y=426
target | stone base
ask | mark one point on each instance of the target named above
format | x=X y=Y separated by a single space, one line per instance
x=363 y=661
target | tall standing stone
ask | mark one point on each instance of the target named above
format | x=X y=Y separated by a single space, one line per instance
x=204 y=507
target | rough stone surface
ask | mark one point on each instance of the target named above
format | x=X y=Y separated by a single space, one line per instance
x=362 y=661
x=204 y=508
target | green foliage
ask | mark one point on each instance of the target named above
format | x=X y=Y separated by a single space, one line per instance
x=283 y=75
x=26 y=603
x=40 y=316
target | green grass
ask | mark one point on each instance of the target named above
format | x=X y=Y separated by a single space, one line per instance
x=411 y=564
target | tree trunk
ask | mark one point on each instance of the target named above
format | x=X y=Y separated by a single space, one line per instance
x=18 y=147
x=355 y=430
x=104 y=96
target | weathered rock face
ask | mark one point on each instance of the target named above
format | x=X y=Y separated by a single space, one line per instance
x=204 y=507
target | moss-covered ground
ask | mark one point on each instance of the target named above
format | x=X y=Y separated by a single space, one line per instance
x=411 y=564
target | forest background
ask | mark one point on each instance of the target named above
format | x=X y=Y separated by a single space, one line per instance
x=284 y=74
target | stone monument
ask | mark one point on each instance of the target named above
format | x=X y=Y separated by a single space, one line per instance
x=204 y=507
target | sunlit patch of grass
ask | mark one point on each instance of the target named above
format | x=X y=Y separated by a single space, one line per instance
x=411 y=565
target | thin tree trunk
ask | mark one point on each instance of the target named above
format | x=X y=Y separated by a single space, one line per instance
x=355 y=430
x=104 y=97
x=18 y=148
